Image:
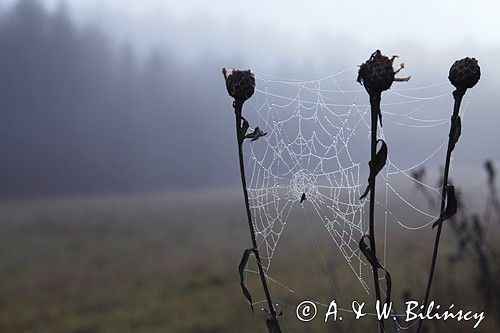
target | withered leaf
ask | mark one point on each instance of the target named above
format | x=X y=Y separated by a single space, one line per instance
x=380 y=160
x=244 y=127
x=241 y=269
x=455 y=131
x=451 y=206
x=368 y=253
x=256 y=134
x=272 y=325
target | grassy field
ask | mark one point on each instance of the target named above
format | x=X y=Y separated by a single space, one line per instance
x=168 y=263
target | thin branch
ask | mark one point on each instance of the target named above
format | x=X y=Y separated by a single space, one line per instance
x=375 y=109
x=272 y=322
x=458 y=95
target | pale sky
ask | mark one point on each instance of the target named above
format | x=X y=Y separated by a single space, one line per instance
x=300 y=33
x=441 y=22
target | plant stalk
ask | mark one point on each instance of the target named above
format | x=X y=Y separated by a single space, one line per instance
x=238 y=105
x=458 y=95
x=375 y=110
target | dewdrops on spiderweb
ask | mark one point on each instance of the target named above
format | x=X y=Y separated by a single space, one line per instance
x=314 y=156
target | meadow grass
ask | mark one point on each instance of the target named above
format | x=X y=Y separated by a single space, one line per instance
x=168 y=263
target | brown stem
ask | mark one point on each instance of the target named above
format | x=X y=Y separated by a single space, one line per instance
x=375 y=110
x=458 y=96
x=238 y=105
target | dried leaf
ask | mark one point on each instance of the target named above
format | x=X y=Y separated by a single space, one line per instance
x=256 y=134
x=380 y=160
x=451 y=206
x=241 y=269
x=244 y=127
x=367 y=252
x=455 y=131
x=272 y=325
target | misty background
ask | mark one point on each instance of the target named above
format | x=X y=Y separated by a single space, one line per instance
x=120 y=201
x=114 y=96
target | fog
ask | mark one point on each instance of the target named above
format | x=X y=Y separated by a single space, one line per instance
x=115 y=96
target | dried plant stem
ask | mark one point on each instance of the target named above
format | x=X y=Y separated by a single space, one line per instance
x=238 y=105
x=458 y=95
x=375 y=111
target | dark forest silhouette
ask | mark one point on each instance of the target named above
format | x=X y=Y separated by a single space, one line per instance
x=80 y=114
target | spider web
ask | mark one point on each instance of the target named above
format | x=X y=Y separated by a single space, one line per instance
x=315 y=154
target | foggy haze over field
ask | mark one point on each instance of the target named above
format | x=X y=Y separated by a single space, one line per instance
x=109 y=96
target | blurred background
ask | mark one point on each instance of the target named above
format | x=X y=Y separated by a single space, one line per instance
x=118 y=170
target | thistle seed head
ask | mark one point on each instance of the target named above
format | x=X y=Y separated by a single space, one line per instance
x=240 y=84
x=465 y=73
x=377 y=73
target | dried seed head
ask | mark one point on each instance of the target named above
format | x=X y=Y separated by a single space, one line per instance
x=490 y=170
x=240 y=84
x=465 y=73
x=377 y=73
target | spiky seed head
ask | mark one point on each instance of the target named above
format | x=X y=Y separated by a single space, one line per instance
x=465 y=73
x=377 y=73
x=240 y=84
